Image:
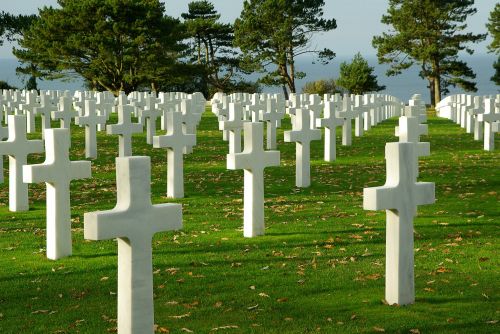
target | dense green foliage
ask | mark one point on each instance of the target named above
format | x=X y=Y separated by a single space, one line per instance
x=271 y=34
x=13 y=26
x=117 y=45
x=494 y=29
x=357 y=77
x=318 y=269
x=430 y=34
x=211 y=48
x=320 y=87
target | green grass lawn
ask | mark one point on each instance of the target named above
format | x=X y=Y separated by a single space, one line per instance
x=319 y=268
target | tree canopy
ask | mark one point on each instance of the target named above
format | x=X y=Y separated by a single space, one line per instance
x=430 y=34
x=357 y=77
x=320 y=87
x=272 y=33
x=211 y=48
x=494 y=29
x=117 y=45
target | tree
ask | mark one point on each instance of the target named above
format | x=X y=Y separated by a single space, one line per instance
x=275 y=32
x=430 y=34
x=494 y=29
x=211 y=47
x=320 y=87
x=117 y=45
x=13 y=27
x=357 y=77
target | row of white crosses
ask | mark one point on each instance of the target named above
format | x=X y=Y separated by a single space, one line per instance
x=306 y=112
x=400 y=197
x=476 y=114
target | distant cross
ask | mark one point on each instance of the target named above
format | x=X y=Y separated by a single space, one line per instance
x=475 y=111
x=4 y=133
x=168 y=103
x=57 y=172
x=253 y=160
x=65 y=112
x=368 y=103
x=272 y=116
x=489 y=117
x=134 y=221
x=330 y=122
x=44 y=110
x=18 y=147
x=234 y=125
x=347 y=113
x=190 y=120
x=255 y=108
x=90 y=121
x=148 y=115
x=175 y=140
x=302 y=135
x=104 y=108
x=221 y=110
x=315 y=108
x=28 y=109
x=400 y=197
x=124 y=129
x=359 y=108
x=409 y=131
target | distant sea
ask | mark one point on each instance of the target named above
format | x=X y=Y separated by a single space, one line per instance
x=402 y=86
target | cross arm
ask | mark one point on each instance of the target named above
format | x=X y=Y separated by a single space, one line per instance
x=81 y=170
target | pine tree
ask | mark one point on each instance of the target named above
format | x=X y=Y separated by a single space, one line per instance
x=271 y=32
x=430 y=34
x=357 y=77
x=494 y=29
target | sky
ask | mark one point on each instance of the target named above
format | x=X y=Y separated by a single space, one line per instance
x=357 y=21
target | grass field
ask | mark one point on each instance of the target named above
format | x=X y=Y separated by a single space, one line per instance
x=318 y=269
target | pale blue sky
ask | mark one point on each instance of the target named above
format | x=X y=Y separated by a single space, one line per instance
x=358 y=21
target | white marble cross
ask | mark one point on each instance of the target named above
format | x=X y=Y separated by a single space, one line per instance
x=4 y=133
x=45 y=110
x=57 y=172
x=400 y=197
x=315 y=107
x=124 y=129
x=477 y=109
x=18 y=147
x=272 y=116
x=302 y=135
x=359 y=121
x=253 y=160
x=489 y=118
x=190 y=120
x=65 y=112
x=90 y=121
x=175 y=140
x=330 y=122
x=104 y=108
x=347 y=113
x=234 y=125
x=28 y=109
x=149 y=114
x=134 y=221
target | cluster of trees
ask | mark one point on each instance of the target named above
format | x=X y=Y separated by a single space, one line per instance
x=125 y=45
x=133 y=44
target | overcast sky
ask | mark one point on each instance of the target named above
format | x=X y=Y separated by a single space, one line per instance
x=357 y=20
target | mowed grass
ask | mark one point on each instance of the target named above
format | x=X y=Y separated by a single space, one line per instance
x=318 y=269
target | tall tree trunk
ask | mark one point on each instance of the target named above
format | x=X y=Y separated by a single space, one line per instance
x=432 y=88
x=285 y=92
x=292 y=72
x=437 y=90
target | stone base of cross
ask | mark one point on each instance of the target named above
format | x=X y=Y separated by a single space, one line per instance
x=400 y=197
